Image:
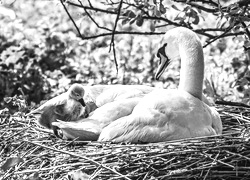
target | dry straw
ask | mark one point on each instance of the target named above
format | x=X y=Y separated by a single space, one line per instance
x=45 y=156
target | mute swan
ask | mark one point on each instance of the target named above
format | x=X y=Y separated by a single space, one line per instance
x=103 y=94
x=164 y=115
x=66 y=106
x=70 y=106
x=89 y=129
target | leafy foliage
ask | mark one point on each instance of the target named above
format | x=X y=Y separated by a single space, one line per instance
x=41 y=54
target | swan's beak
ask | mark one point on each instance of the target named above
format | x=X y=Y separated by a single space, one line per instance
x=163 y=64
x=82 y=102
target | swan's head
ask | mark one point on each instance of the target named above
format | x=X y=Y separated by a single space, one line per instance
x=168 y=51
x=76 y=91
x=173 y=44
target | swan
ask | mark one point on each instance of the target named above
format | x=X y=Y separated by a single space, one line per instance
x=89 y=129
x=79 y=101
x=67 y=106
x=164 y=115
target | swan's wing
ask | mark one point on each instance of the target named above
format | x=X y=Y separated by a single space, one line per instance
x=85 y=130
x=216 y=123
x=93 y=92
x=114 y=110
x=162 y=115
x=147 y=123
x=139 y=129
x=121 y=92
x=90 y=128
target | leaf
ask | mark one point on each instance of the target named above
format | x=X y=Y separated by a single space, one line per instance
x=174 y=7
x=11 y=162
x=139 y=20
x=232 y=22
x=111 y=9
x=162 y=9
x=132 y=21
x=125 y=21
x=196 y=20
x=129 y=14
x=152 y=27
x=180 y=17
x=157 y=12
x=244 y=18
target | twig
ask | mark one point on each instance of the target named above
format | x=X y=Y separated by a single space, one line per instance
x=90 y=4
x=79 y=156
x=125 y=32
x=112 y=44
x=92 y=19
x=92 y=8
x=230 y=103
x=49 y=168
x=72 y=19
x=246 y=29
x=218 y=37
x=24 y=129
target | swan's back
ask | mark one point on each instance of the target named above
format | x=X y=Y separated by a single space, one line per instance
x=176 y=115
x=103 y=94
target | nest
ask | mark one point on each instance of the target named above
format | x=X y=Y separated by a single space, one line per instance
x=39 y=155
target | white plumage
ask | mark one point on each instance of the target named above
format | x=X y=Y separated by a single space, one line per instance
x=70 y=106
x=164 y=115
x=124 y=113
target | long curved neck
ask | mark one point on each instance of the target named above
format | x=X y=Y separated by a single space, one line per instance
x=192 y=68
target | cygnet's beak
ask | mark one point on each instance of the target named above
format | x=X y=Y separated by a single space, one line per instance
x=82 y=102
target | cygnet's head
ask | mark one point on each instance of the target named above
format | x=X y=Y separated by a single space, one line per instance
x=76 y=91
x=171 y=44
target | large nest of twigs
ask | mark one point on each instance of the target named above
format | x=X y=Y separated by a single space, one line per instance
x=28 y=152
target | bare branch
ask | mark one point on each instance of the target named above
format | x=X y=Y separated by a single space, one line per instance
x=124 y=32
x=209 y=2
x=92 y=19
x=72 y=19
x=92 y=8
x=218 y=37
x=112 y=44
x=208 y=6
x=246 y=29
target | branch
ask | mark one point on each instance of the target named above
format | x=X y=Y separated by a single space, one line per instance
x=208 y=6
x=246 y=29
x=202 y=7
x=92 y=19
x=124 y=32
x=112 y=44
x=210 y=2
x=72 y=19
x=217 y=37
x=92 y=8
